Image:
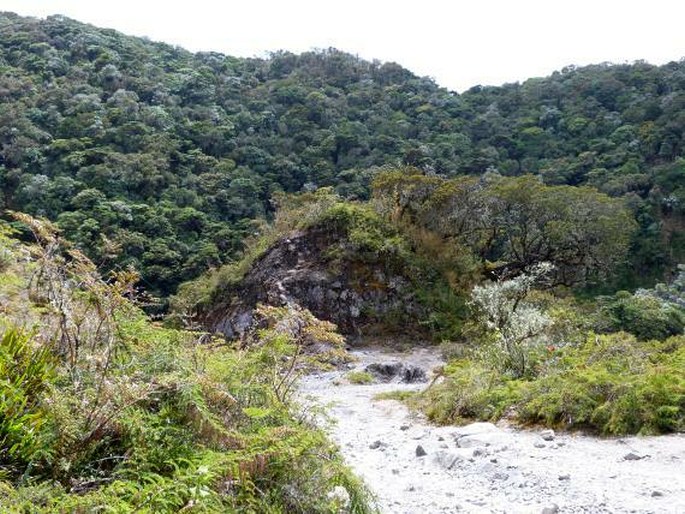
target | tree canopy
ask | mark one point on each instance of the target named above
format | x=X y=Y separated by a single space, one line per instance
x=149 y=155
x=514 y=223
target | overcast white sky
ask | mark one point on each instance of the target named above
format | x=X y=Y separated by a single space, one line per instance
x=458 y=43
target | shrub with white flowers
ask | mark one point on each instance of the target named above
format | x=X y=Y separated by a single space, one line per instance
x=515 y=324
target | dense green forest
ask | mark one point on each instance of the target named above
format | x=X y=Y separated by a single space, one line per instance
x=149 y=155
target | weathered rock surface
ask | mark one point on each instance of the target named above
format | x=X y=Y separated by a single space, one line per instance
x=314 y=270
x=447 y=459
x=388 y=371
x=547 y=435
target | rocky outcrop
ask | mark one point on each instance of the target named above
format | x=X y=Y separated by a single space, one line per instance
x=318 y=270
x=388 y=371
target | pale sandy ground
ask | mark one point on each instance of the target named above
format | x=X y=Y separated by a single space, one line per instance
x=496 y=469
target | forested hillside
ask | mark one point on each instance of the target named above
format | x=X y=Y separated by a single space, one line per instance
x=149 y=155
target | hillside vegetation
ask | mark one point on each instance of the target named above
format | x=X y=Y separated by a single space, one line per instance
x=148 y=155
x=102 y=411
x=406 y=261
x=494 y=267
x=505 y=211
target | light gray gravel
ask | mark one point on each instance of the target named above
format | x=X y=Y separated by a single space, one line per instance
x=486 y=468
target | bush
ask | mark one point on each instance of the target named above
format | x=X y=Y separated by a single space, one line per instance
x=609 y=384
x=644 y=316
x=470 y=391
x=612 y=384
x=514 y=325
x=26 y=372
x=101 y=409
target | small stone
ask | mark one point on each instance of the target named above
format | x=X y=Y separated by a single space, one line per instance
x=404 y=427
x=376 y=444
x=657 y=494
x=420 y=452
x=547 y=435
x=340 y=496
x=440 y=438
x=446 y=460
x=471 y=441
x=540 y=445
x=414 y=374
x=551 y=509
x=395 y=471
x=564 y=477
x=633 y=456
x=494 y=461
x=479 y=452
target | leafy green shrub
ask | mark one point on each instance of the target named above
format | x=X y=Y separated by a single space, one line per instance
x=644 y=316
x=369 y=236
x=447 y=307
x=469 y=391
x=26 y=372
x=128 y=416
x=611 y=384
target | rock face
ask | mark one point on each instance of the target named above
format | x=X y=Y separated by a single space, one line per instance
x=315 y=270
x=397 y=371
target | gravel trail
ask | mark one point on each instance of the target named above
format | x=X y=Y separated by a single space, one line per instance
x=484 y=468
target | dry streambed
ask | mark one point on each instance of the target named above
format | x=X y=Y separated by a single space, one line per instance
x=414 y=467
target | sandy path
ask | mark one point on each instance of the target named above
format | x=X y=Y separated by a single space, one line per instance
x=483 y=468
